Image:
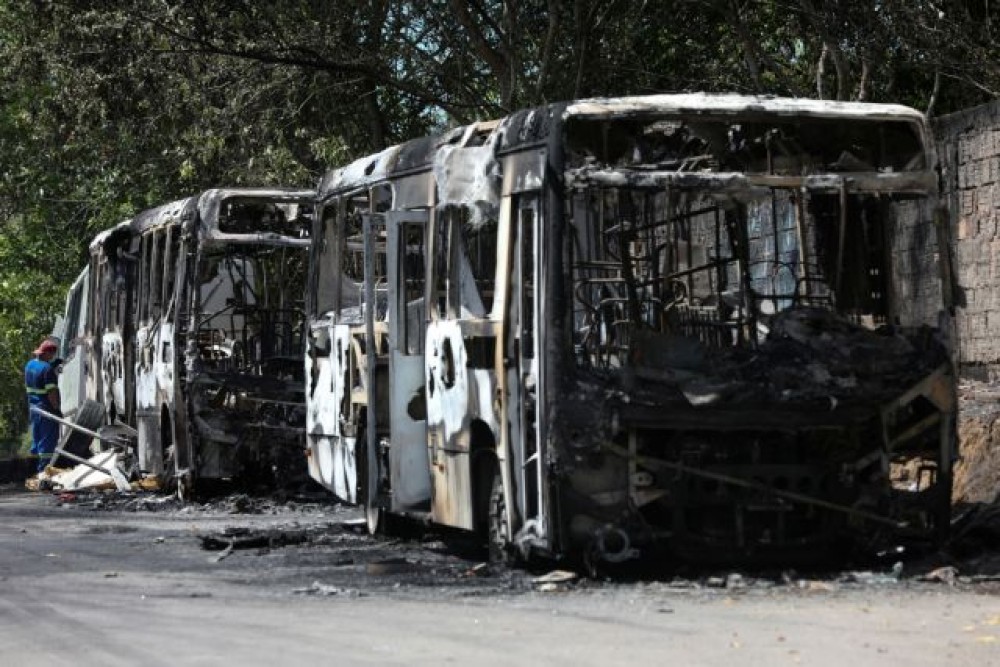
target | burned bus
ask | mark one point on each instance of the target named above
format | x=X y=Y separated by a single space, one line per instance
x=193 y=332
x=708 y=327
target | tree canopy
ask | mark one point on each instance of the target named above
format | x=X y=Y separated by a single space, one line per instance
x=107 y=108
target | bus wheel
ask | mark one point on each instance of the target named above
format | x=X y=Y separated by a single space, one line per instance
x=498 y=522
x=90 y=415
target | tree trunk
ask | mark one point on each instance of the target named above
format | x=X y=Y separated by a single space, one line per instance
x=499 y=65
x=864 y=81
x=934 y=94
x=820 y=73
x=751 y=54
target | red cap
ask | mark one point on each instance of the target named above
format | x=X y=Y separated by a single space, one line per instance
x=46 y=346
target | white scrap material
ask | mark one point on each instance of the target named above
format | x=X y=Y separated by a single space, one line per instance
x=556 y=577
x=83 y=477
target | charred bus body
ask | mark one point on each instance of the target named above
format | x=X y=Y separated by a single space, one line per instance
x=709 y=324
x=194 y=331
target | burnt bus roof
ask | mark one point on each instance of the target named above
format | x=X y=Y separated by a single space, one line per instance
x=207 y=204
x=161 y=215
x=735 y=106
x=409 y=157
x=522 y=128
x=531 y=127
x=121 y=229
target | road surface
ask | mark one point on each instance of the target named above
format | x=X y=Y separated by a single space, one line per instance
x=85 y=584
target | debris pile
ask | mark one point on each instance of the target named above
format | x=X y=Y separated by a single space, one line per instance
x=101 y=473
x=812 y=355
x=974 y=544
x=236 y=504
x=327 y=590
x=247 y=538
x=809 y=356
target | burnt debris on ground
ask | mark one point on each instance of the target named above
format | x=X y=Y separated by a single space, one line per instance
x=971 y=556
x=323 y=550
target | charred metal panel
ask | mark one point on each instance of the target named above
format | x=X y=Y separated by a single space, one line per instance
x=448 y=419
x=524 y=172
x=414 y=155
x=469 y=177
x=113 y=371
x=74 y=347
x=332 y=455
x=347 y=398
x=529 y=128
x=408 y=454
x=462 y=337
x=369 y=170
x=413 y=192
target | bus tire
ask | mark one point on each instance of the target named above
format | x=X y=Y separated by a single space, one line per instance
x=90 y=416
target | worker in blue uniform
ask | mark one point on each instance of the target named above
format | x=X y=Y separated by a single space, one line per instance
x=43 y=392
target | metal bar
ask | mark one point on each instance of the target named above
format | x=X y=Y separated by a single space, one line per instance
x=841 y=237
x=757 y=486
x=748 y=297
x=368 y=229
x=775 y=232
x=75 y=427
x=82 y=461
x=943 y=236
x=720 y=264
x=116 y=475
x=800 y=235
x=901 y=182
x=686 y=227
x=678 y=217
x=736 y=252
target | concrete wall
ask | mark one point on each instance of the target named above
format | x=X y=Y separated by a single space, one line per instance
x=969 y=150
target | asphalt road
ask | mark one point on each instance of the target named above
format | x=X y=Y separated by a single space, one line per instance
x=90 y=585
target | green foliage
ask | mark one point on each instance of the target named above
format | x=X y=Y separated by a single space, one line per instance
x=108 y=108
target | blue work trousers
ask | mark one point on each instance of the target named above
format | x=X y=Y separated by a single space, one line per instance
x=44 y=438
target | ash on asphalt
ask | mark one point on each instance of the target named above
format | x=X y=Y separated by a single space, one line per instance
x=311 y=545
x=314 y=546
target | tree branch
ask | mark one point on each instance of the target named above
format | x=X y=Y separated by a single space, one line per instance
x=550 y=38
x=863 y=82
x=934 y=94
x=821 y=72
x=307 y=59
x=491 y=56
x=749 y=44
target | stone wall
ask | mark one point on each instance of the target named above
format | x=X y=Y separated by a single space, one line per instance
x=969 y=151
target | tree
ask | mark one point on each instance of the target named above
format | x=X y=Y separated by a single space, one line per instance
x=107 y=108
